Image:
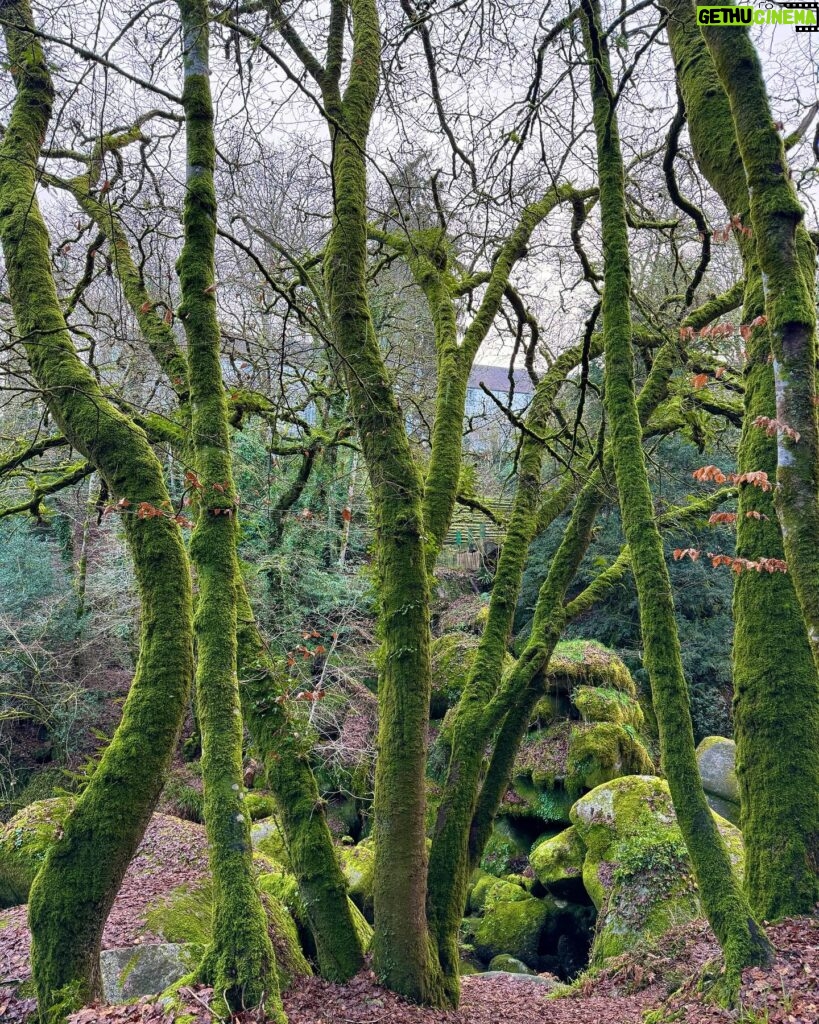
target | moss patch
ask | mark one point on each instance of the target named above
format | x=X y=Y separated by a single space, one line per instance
x=606 y=704
x=259 y=806
x=452 y=657
x=558 y=862
x=576 y=662
x=358 y=866
x=512 y=926
x=601 y=752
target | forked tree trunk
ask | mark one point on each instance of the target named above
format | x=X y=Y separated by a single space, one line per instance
x=499 y=708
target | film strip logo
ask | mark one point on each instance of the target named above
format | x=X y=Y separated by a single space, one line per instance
x=803 y=7
x=804 y=17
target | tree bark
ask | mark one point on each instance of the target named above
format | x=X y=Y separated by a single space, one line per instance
x=776 y=690
x=742 y=941
x=404 y=955
x=787 y=261
x=74 y=891
x=240 y=962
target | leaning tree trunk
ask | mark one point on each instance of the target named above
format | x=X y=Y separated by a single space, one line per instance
x=449 y=859
x=74 y=891
x=240 y=962
x=776 y=690
x=497 y=707
x=742 y=941
x=286 y=758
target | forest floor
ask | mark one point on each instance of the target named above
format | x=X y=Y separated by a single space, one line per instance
x=666 y=975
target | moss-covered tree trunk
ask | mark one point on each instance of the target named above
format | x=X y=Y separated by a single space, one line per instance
x=742 y=941
x=403 y=953
x=449 y=858
x=776 y=691
x=787 y=261
x=499 y=708
x=516 y=699
x=429 y=260
x=240 y=963
x=287 y=765
x=74 y=891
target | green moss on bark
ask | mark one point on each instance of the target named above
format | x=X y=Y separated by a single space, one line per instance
x=452 y=852
x=776 y=694
x=72 y=894
x=240 y=961
x=403 y=953
x=742 y=941
x=787 y=261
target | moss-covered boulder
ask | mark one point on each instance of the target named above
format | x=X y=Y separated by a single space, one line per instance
x=268 y=839
x=135 y=971
x=606 y=704
x=587 y=729
x=579 y=662
x=24 y=841
x=477 y=893
x=716 y=760
x=601 y=751
x=358 y=864
x=509 y=965
x=503 y=891
x=558 y=863
x=259 y=806
x=451 y=657
x=636 y=869
x=558 y=763
x=504 y=853
x=512 y=923
x=283 y=886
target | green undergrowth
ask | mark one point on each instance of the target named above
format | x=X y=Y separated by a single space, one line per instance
x=186 y=916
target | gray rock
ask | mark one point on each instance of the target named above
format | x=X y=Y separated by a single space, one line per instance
x=142 y=970
x=716 y=759
x=724 y=808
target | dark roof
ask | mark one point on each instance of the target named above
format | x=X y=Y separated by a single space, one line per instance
x=496 y=378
